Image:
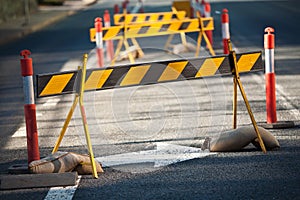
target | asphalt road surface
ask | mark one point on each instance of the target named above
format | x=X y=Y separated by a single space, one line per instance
x=183 y=113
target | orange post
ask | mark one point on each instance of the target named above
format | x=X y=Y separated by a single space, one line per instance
x=29 y=107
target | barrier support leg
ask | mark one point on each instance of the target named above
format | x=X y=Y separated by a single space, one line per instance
x=234 y=104
x=118 y=49
x=128 y=51
x=198 y=44
x=66 y=124
x=232 y=57
x=139 y=50
x=170 y=38
x=83 y=115
x=79 y=98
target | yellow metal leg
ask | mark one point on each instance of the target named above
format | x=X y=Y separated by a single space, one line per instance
x=136 y=44
x=234 y=104
x=118 y=49
x=183 y=39
x=198 y=44
x=128 y=51
x=170 y=38
x=261 y=143
x=84 y=121
x=209 y=46
x=66 y=124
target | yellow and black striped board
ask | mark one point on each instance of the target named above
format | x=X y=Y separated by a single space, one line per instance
x=154 y=29
x=119 y=19
x=147 y=73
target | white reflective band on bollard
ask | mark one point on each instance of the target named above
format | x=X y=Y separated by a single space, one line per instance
x=225 y=31
x=269 y=61
x=28 y=90
x=99 y=41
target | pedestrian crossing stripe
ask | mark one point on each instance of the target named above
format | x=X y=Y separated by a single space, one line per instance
x=119 y=19
x=154 y=29
x=147 y=73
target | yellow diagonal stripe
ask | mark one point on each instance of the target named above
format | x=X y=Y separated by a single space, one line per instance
x=56 y=84
x=172 y=71
x=246 y=62
x=97 y=79
x=210 y=67
x=135 y=75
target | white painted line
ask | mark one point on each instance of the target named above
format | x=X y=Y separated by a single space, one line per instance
x=165 y=154
x=21 y=132
x=62 y=193
x=287 y=137
x=51 y=102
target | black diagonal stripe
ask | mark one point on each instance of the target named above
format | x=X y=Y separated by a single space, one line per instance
x=134 y=19
x=184 y=25
x=104 y=32
x=205 y=23
x=122 y=19
x=115 y=77
x=42 y=81
x=160 y=17
x=225 y=68
x=192 y=68
x=164 y=28
x=174 y=16
x=71 y=87
x=147 y=18
x=154 y=73
x=144 y=29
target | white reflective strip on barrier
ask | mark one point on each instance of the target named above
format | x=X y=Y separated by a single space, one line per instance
x=28 y=90
x=99 y=42
x=269 y=61
x=225 y=31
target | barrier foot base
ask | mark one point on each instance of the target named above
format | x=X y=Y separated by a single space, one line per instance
x=277 y=125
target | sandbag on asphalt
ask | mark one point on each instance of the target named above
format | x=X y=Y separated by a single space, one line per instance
x=237 y=139
x=63 y=162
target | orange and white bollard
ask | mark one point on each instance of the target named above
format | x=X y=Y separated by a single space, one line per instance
x=207 y=11
x=225 y=30
x=109 y=43
x=99 y=41
x=29 y=107
x=269 y=44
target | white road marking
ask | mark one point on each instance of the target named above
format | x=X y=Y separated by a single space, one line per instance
x=62 y=193
x=51 y=102
x=21 y=132
x=164 y=155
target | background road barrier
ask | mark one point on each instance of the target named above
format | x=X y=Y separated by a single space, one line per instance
x=119 y=19
x=125 y=31
x=225 y=30
x=157 y=72
x=29 y=107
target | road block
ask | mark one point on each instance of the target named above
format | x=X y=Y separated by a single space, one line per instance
x=154 y=73
x=123 y=32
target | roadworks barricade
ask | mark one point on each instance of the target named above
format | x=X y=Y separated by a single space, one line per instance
x=149 y=28
x=152 y=73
